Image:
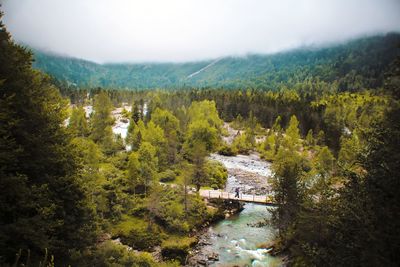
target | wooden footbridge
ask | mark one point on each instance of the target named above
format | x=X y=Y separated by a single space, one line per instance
x=218 y=194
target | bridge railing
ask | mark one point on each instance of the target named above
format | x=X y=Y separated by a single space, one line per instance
x=227 y=195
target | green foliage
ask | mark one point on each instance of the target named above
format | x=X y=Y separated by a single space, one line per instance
x=201 y=132
x=154 y=135
x=134 y=177
x=309 y=140
x=177 y=247
x=78 y=123
x=205 y=111
x=89 y=152
x=198 y=152
x=101 y=118
x=170 y=124
x=167 y=176
x=167 y=205
x=110 y=254
x=346 y=112
x=288 y=186
x=227 y=150
x=350 y=147
x=243 y=143
x=42 y=204
x=142 y=166
x=138 y=233
x=202 y=137
x=291 y=139
x=269 y=147
x=134 y=135
x=324 y=161
x=216 y=174
x=238 y=122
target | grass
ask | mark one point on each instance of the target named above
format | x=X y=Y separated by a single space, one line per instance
x=178 y=242
x=127 y=224
x=206 y=188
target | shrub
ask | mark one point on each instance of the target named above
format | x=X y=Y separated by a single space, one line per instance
x=177 y=247
x=226 y=150
x=137 y=233
x=112 y=254
x=242 y=144
x=170 y=210
x=167 y=176
x=143 y=238
x=216 y=174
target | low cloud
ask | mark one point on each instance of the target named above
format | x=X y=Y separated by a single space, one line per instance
x=186 y=30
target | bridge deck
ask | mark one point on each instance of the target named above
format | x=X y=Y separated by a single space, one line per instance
x=215 y=194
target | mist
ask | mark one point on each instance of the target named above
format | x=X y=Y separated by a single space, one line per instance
x=184 y=30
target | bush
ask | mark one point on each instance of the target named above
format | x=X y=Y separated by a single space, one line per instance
x=215 y=214
x=167 y=176
x=242 y=143
x=216 y=174
x=111 y=254
x=143 y=238
x=226 y=150
x=137 y=233
x=214 y=186
x=170 y=210
x=177 y=248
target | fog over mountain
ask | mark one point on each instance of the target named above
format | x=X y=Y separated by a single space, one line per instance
x=364 y=58
x=182 y=30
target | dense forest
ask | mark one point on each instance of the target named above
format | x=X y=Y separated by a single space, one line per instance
x=351 y=66
x=74 y=193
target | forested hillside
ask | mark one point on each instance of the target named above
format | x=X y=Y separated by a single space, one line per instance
x=352 y=66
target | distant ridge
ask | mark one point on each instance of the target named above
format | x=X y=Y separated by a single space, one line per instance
x=346 y=64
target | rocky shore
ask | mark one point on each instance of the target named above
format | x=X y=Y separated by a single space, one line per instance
x=202 y=254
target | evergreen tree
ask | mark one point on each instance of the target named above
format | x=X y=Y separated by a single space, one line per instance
x=42 y=204
x=288 y=188
x=102 y=121
x=198 y=153
x=325 y=161
x=136 y=116
x=134 y=177
x=310 y=138
x=170 y=124
x=78 y=122
x=292 y=134
x=148 y=164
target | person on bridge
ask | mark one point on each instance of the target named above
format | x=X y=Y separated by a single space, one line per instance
x=237 y=192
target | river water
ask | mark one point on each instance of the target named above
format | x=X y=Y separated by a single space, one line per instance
x=240 y=240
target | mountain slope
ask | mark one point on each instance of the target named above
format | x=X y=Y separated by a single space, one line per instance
x=356 y=64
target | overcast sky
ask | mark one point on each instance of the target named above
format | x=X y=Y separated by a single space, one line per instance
x=186 y=30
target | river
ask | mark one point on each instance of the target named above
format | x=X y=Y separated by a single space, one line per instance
x=240 y=240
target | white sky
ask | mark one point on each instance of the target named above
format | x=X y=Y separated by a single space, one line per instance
x=187 y=30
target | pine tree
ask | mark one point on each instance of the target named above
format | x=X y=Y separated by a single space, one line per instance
x=134 y=178
x=136 y=116
x=42 y=204
x=170 y=124
x=148 y=164
x=292 y=134
x=287 y=185
x=102 y=121
x=310 y=138
x=198 y=154
x=78 y=122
